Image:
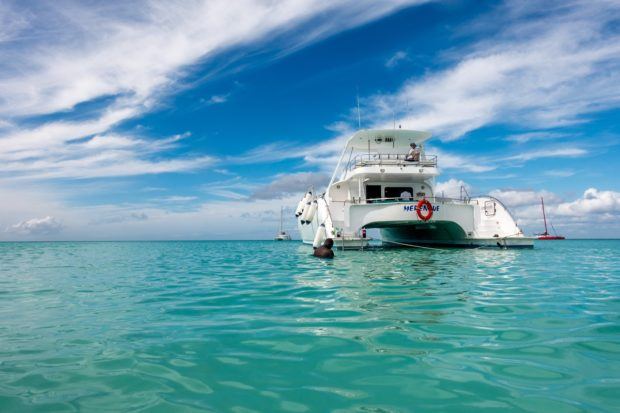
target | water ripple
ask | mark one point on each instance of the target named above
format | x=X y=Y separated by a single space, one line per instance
x=263 y=326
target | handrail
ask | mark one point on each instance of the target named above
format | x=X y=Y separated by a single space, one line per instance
x=432 y=199
x=329 y=213
x=389 y=159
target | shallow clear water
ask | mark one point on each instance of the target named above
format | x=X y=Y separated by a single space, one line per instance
x=263 y=326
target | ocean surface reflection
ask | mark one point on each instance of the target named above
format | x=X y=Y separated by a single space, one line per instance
x=264 y=326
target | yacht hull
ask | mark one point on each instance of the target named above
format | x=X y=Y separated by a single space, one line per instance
x=413 y=236
x=479 y=222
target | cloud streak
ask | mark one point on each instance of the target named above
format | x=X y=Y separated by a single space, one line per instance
x=543 y=72
x=37 y=226
x=123 y=61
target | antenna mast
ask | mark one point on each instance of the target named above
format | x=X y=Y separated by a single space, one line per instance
x=544 y=216
x=359 y=118
x=394 y=118
x=281 y=218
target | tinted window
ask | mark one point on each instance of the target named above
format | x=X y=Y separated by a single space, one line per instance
x=373 y=191
x=395 y=191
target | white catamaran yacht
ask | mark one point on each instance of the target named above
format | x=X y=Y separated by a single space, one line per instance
x=376 y=185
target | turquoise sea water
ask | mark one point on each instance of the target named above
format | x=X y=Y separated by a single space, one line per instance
x=265 y=327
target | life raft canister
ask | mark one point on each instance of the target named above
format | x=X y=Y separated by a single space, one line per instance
x=424 y=215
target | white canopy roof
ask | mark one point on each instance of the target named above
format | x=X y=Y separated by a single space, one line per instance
x=386 y=139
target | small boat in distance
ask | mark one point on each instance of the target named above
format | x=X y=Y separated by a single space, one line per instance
x=282 y=235
x=545 y=236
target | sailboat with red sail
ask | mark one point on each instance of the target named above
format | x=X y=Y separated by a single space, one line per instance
x=545 y=235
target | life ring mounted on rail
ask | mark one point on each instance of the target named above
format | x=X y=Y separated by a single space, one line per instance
x=426 y=215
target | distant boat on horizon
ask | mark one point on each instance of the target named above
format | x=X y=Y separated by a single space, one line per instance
x=282 y=235
x=545 y=236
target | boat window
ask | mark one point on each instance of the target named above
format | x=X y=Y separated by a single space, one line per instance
x=396 y=191
x=489 y=208
x=373 y=191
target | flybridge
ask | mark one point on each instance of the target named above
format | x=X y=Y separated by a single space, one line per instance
x=390 y=159
x=381 y=147
x=385 y=139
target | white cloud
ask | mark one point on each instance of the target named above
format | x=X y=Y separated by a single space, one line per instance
x=536 y=136
x=224 y=219
x=396 y=59
x=536 y=72
x=287 y=184
x=595 y=213
x=128 y=58
x=593 y=201
x=215 y=99
x=449 y=160
x=451 y=188
x=539 y=70
x=523 y=197
x=110 y=50
x=249 y=218
x=37 y=226
x=547 y=153
x=560 y=173
x=271 y=152
x=177 y=198
x=226 y=194
x=115 y=218
x=11 y=23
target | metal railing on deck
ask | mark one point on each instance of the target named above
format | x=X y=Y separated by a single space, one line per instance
x=371 y=159
x=413 y=199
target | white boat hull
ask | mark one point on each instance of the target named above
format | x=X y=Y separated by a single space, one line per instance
x=479 y=222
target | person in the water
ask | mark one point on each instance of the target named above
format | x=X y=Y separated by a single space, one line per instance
x=325 y=250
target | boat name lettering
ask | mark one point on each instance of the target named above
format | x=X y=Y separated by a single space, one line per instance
x=413 y=208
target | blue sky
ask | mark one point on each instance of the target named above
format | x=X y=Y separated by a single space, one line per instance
x=199 y=119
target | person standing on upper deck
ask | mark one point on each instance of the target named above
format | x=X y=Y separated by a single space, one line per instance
x=414 y=153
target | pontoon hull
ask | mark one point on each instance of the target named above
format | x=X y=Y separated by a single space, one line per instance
x=479 y=222
x=446 y=237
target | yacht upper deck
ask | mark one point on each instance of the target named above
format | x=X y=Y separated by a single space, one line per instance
x=385 y=140
x=373 y=150
x=390 y=159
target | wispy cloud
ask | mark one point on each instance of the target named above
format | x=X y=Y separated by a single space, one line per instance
x=595 y=208
x=289 y=184
x=452 y=188
x=395 y=59
x=214 y=219
x=593 y=201
x=560 y=173
x=215 y=99
x=535 y=136
x=177 y=198
x=135 y=52
x=541 y=70
x=99 y=156
x=547 y=153
x=523 y=197
x=37 y=226
x=128 y=58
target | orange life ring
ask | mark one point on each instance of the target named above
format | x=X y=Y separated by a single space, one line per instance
x=429 y=210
